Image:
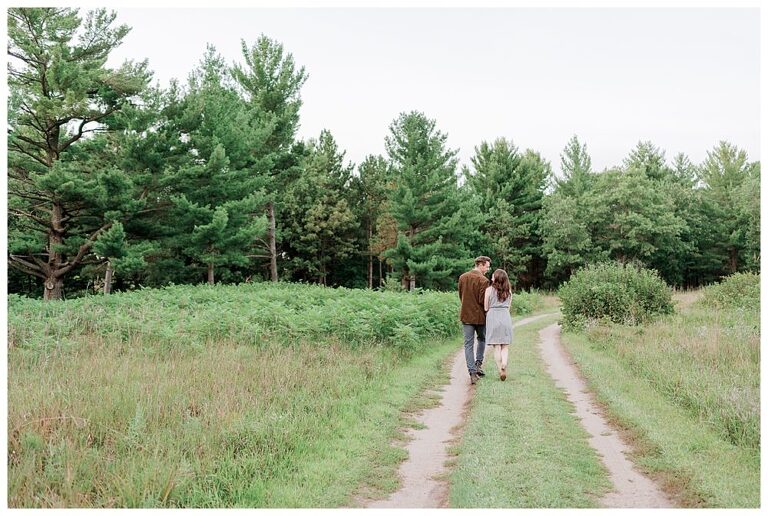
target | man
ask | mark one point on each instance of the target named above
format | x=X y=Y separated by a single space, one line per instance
x=472 y=287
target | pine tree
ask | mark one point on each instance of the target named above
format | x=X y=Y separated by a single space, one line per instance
x=320 y=224
x=723 y=174
x=567 y=237
x=510 y=186
x=270 y=83
x=216 y=187
x=631 y=217
x=432 y=223
x=112 y=246
x=648 y=159
x=683 y=171
x=576 y=167
x=64 y=187
x=374 y=180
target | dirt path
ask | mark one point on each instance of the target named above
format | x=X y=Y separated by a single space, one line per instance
x=631 y=489
x=422 y=473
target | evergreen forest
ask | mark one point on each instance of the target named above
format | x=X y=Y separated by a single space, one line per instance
x=118 y=184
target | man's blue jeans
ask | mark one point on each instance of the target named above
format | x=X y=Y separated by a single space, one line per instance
x=469 y=345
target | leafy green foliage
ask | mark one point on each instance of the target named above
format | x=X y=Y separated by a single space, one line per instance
x=253 y=314
x=270 y=83
x=624 y=217
x=624 y=294
x=740 y=290
x=576 y=166
x=208 y=177
x=691 y=223
x=318 y=217
x=524 y=303
x=216 y=190
x=370 y=189
x=649 y=160
x=732 y=184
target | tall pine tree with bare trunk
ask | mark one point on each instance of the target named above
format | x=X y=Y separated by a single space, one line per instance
x=270 y=82
x=63 y=190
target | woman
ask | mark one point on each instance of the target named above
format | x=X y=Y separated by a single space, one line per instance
x=498 y=322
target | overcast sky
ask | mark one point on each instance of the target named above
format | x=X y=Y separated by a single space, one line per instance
x=683 y=78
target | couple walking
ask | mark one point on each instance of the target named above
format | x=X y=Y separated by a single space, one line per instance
x=485 y=312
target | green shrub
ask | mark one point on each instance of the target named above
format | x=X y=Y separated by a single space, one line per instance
x=392 y=284
x=740 y=290
x=624 y=294
x=524 y=303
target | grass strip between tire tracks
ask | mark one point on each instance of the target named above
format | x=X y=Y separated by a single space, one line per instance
x=521 y=446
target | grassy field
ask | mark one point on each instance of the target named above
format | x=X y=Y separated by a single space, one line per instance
x=686 y=390
x=252 y=396
x=295 y=396
x=229 y=396
x=522 y=447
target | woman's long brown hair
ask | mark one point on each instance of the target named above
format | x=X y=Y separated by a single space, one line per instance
x=501 y=284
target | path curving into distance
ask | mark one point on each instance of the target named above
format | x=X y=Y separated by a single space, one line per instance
x=631 y=488
x=422 y=485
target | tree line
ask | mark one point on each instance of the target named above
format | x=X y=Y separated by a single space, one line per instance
x=113 y=181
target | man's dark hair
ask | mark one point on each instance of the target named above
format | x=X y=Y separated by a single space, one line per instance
x=482 y=259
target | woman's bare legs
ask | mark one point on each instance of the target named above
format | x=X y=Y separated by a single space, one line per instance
x=503 y=358
x=497 y=356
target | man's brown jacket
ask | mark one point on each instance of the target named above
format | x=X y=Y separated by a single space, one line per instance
x=472 y=287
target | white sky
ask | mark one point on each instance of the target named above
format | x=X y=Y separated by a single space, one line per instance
x=683 y=78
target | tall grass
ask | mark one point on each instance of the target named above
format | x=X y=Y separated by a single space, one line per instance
x=704 y=361
x=250 y=396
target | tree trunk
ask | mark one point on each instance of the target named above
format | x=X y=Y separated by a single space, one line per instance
x=321 y=276
x=53 y=283
x=370 y=258
x=53 y=289
x=733 y=260
x=210 y=273
x=381 y=274
x=108 y=279
x=272 y=244
x=412 y=277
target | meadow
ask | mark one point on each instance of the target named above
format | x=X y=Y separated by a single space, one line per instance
x=290 y=395
x=686 y=390
x=229 y=396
